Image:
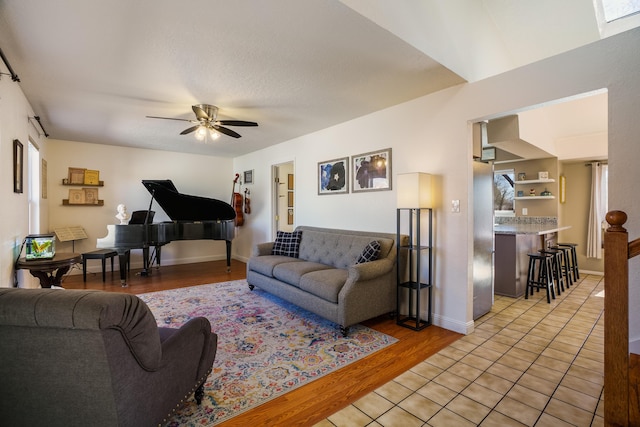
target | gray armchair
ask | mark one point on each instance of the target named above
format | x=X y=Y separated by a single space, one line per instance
x=79 y=358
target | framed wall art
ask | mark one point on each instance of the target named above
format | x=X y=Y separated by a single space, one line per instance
x=76 y=197
x=248 y=177
x=18 y=168
x=333 y=176
x=371 y=171
x=76 y=176
x=90 y=196
x=44 y=179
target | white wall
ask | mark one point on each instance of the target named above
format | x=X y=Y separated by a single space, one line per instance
x=432 y=134
x=122 y=170
x=14 y=224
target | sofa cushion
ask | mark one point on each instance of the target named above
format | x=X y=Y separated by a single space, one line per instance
x=336 y=250
x=291 y=272
x=287 y=243
x=264 y=264
x=370 y=252
x=325 y=284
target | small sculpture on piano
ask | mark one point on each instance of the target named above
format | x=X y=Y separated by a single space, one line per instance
x=122 y=215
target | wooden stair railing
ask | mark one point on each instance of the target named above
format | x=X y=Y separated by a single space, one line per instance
x=620 y=394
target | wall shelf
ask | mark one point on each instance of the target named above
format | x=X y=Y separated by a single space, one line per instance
x=99 y=184
x=535 y=181
x=534 y=197
x=65 y=202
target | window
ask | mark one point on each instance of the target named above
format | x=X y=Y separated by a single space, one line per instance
x=503 y=192
x=616 y=16
x=617 y=9
x=34 y=187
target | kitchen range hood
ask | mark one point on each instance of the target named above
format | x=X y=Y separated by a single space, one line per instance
x=505 y=133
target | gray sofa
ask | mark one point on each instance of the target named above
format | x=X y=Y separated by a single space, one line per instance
x=92 y=358
x=325 y=278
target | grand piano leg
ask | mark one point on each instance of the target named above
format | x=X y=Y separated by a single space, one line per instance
x=123 y=260
x=228 y=256
x=145 y=261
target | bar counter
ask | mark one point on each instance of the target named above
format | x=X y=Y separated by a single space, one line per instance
x=512 y=244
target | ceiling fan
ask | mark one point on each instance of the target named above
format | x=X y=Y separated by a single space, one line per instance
x=207 y=121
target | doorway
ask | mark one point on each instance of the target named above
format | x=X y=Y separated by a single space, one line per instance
x=283 y=197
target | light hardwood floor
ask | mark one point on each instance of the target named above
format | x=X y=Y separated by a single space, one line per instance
x=317 y=400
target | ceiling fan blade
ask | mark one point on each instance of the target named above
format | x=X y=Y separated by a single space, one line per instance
x=189 y=130
x=236 y=123
x=200 y=113
x=226 y=131
x=171 y=118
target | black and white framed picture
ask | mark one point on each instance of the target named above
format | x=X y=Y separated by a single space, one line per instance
x=248 y=177
x=333 y=176
x=18 y=168
x=371 y=171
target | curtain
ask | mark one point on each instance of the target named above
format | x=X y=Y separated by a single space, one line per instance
x=597 y=209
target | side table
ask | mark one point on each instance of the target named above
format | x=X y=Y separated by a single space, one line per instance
x=50 y=271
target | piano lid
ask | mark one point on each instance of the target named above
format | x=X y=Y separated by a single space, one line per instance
x=184 y=207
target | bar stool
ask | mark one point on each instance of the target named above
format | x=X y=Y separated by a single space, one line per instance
x=556 y=268
x=540 y=275
x=573 y=266
x=566 y=264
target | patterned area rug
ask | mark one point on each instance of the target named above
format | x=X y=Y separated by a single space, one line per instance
x=266 y=346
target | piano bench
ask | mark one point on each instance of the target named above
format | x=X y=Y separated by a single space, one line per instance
x=101 y=254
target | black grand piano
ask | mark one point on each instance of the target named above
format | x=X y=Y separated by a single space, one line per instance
x=192 y=218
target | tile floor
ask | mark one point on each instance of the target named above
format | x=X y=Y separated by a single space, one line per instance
x=528 y=363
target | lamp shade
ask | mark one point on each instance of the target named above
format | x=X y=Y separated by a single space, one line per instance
x=414 y=190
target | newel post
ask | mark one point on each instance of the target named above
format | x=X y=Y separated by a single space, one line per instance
x=616 y=321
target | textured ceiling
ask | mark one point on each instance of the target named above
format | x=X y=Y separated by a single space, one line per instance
x=94 y=70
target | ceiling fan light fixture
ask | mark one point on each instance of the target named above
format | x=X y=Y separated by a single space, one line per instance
x=201 y=133
x=207 y=119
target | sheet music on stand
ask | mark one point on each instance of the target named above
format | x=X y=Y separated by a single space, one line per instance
x=73 y=233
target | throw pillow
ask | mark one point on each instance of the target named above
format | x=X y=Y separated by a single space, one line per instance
x=370 y=252
x=287 y=244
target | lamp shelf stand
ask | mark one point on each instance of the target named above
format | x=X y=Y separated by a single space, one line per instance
x=416 y=282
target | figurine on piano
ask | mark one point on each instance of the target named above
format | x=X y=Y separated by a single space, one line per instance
x=122 y=215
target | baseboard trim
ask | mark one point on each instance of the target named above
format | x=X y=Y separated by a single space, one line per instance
x=453 y=325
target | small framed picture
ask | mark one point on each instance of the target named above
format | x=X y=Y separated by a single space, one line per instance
x=333 y=176
x=248 y=177
x=90 y=196
x=543 y=175
x=371 y=171
x=43 y=178
x=18 y=168
x=76 y=197
x=522 y=176
x=76 y=175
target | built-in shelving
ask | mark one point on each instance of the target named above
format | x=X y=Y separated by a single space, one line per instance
x=535 y=181
x=534 y=197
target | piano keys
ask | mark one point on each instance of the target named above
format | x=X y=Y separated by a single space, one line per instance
x=192 y=218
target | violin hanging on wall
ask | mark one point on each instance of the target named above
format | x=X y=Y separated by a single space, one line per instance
x=236 y=202
x=247 y=201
